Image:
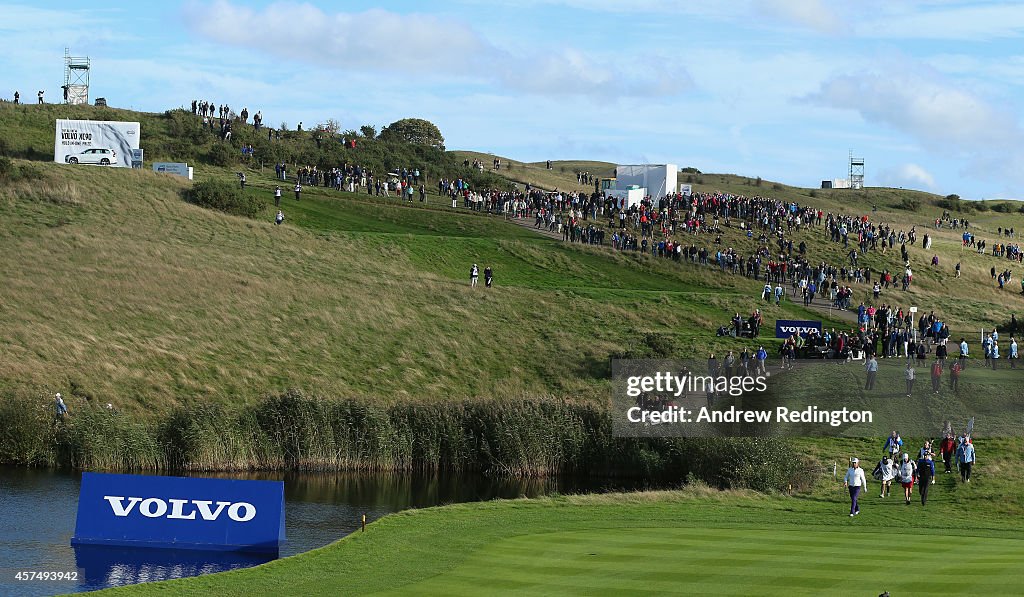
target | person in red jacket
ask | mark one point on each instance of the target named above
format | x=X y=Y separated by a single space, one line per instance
x=948 y=448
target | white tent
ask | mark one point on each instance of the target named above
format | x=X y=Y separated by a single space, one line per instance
x=659 y=179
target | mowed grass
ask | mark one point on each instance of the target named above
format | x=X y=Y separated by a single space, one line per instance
x=693 y=541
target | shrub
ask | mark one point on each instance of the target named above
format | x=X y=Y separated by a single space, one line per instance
x=1003 y=208
x=981 y=206
x=909 y=204
x=222 y=154
x=7 y=169
x=812 y=194
x=776 y=187
x=225 y=197
x=950 y=202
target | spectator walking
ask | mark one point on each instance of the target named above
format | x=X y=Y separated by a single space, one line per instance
x=474 y=275
x=277 y=197
x=279 y=218
x=871 y=366
x=298 y=191
x=965 y=458
x=909 y=374
x=488 y=276
x=926 y=475
x=954 y=376
x=936 y=376
x=947 y=448
x=855 y=481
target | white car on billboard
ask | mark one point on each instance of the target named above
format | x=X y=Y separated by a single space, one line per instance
x=93 y=155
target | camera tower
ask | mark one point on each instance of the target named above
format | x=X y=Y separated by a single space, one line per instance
x=856 y=172
x=76 y=78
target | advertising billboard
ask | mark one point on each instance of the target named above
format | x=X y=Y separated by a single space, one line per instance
x=180 y=512
x=179 y=168
x=784 y=328
x=97 y=142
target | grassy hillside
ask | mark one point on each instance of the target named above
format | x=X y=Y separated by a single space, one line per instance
x=125 y=293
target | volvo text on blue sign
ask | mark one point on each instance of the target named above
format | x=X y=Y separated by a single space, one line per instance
x=784 y=328
x=180 y=512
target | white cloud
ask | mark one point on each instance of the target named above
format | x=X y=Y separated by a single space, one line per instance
x=414 y=46
x=946 y=119
x=932 y=111
x=907 y=175
x=973 y=22
x=813 y=14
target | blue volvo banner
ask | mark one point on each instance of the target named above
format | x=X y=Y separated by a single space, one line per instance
x=784 y=328
x=180 y=512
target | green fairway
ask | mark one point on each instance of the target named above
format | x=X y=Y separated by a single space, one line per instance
x=692 y=541
x=724 y=561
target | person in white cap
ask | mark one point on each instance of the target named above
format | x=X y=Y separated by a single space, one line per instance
x=907 y=475
x=58 y=403
x=855 y=481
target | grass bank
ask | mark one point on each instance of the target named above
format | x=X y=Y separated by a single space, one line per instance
x=525 y=437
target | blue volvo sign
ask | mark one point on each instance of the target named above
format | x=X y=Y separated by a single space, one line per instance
x=784 y=328
x=180 y=512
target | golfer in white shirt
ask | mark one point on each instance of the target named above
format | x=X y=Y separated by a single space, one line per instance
x=855 y=481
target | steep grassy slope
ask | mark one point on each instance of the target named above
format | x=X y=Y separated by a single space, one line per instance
x=125 y=293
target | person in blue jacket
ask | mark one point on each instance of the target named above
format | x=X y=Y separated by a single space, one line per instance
x=925 y=475
x=965 y=458
x=893 y=445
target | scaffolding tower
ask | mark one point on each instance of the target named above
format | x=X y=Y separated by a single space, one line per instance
x=856 y=172
x=76 y=78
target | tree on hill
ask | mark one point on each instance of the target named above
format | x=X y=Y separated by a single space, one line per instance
x=369 y=131
x=413 y=130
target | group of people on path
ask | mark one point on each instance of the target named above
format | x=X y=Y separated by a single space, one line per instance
x=897 y=466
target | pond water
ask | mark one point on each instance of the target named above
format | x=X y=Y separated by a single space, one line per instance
x=38 y=510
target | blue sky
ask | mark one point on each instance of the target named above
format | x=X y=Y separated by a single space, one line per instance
x=927 y=91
